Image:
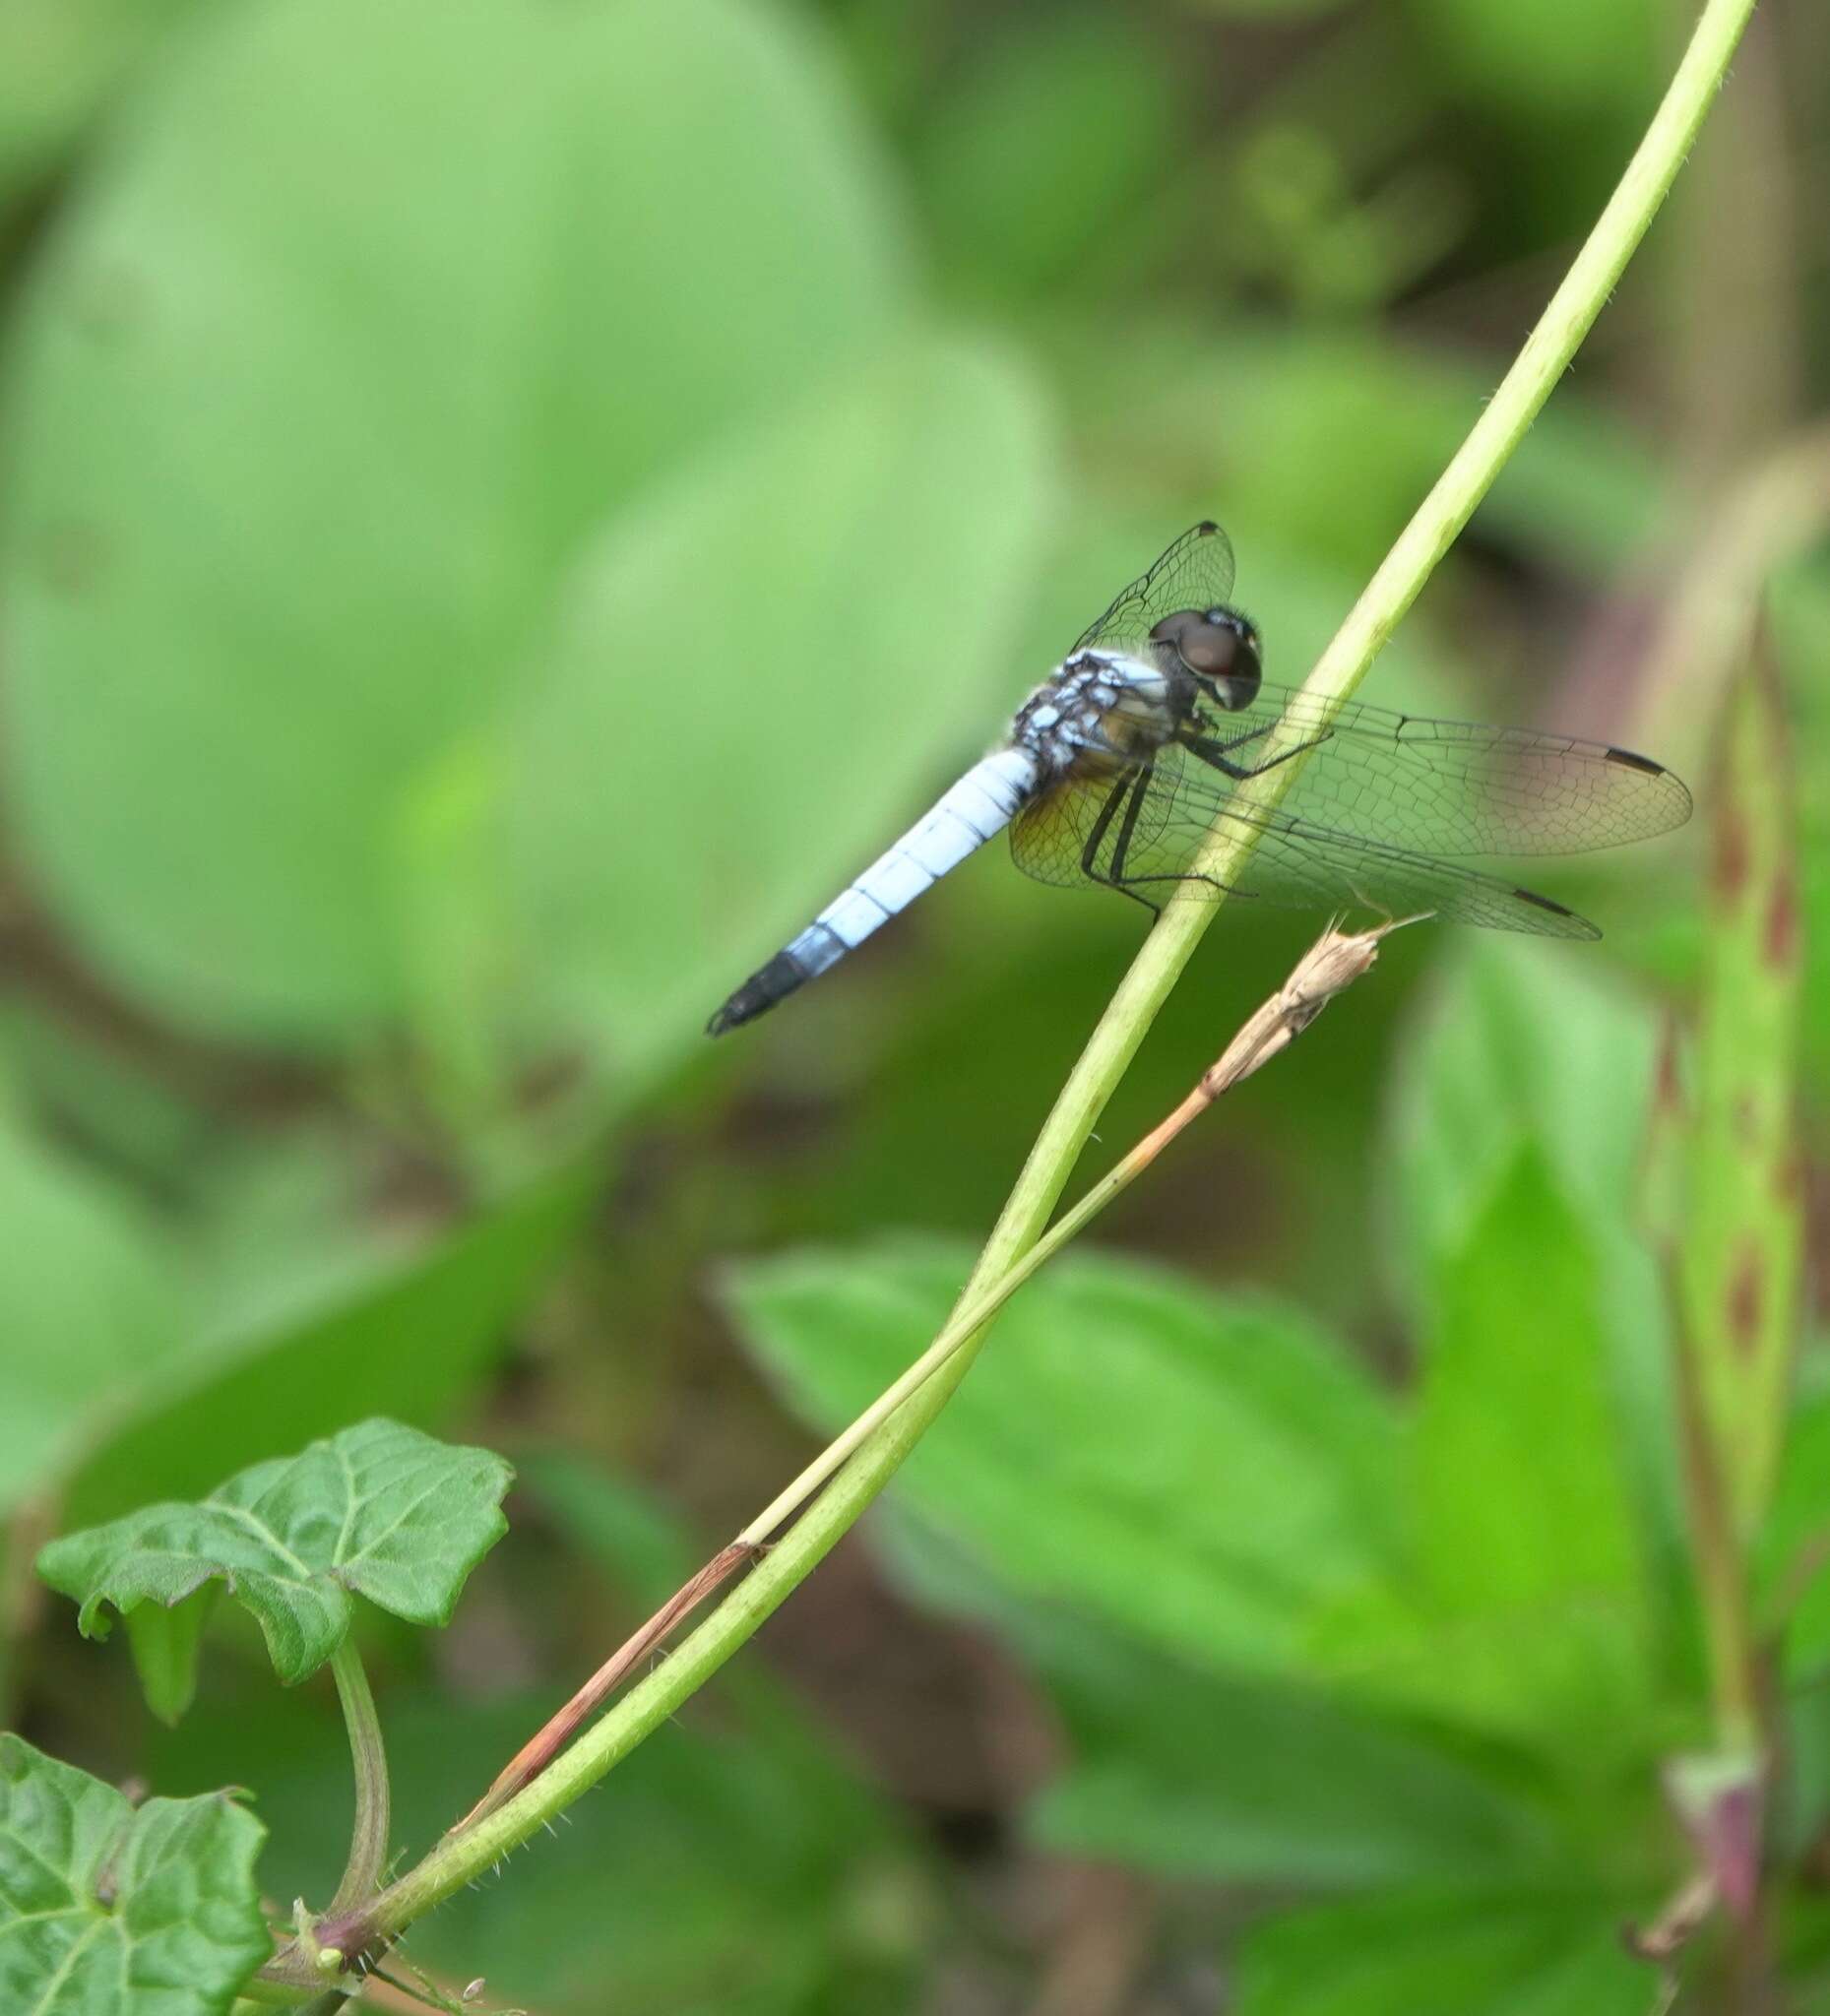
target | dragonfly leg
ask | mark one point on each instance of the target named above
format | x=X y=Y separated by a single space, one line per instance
x=1132 y=885
x=1127 y=829
x=1129 y=790
x=1218 y=754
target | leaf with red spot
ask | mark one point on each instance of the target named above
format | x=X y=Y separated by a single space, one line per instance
x=1738 y=1258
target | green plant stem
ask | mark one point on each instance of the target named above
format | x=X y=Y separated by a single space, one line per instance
x=369 y=1839
x=967 y=1321
x=1534 y=374
x=1333 y=963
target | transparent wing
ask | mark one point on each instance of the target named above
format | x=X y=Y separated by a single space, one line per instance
x=1195 y=573
x=1295 y=862
x=1445 y=787
x=1050 y=836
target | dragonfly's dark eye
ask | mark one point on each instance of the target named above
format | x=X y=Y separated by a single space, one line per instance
x=1219 y=647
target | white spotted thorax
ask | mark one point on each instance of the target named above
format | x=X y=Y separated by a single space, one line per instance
x=1098 y=702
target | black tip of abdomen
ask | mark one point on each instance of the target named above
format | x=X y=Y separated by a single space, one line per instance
x=759 y=993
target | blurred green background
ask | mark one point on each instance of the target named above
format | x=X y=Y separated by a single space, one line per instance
x=503 y=509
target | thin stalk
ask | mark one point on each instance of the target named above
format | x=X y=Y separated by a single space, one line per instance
x=369 y=1838
x=1334 y=962
x=536 y=1754
x=1451 y=502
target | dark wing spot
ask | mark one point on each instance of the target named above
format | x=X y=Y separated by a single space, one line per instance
x=1207 y=527
x=1579 y=926
x=1633 y=760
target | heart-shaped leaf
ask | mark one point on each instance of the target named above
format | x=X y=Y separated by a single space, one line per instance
x=108 y=1910
x=380 y=1511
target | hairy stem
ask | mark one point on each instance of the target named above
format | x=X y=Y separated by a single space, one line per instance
x=1534 y=375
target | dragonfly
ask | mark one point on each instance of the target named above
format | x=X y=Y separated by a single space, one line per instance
x=1143 y=743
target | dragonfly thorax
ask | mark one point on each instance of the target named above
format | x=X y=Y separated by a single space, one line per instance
x=1098 y=709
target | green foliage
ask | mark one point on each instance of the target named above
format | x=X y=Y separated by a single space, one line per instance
x=60 y=63
x=749 y=1868
x=1520 y=1052
x=864 y=526
x=1215 y=1774
x=108 y=1910
x=1044 y=147
x=1297 y=1634
x=1795 y=1542
x=380 y=1511
x=1445 y=1951
x=1544 y=58
x=407 y=387
x=1740 y=1238
x=501 y=521
x=1522 y=1607
x=89 y=1298
x=409 y=1332
x=1202 y=1473
x=167 y=1642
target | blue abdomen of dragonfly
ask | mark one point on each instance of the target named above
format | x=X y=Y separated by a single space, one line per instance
x=983 y=802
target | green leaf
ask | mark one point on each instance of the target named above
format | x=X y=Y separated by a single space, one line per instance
x=1516 y=1449
x=380 y=1511
x=1529 y=1048
x=1540 y=60
x=60 y=62
x=1794 y=1543
x=1447 y=1951
x=920 y=478
x=1525 y=1608
x=757 y=1872
x=299 y=453
x=1739 y=1265
x=407 y=1335
x=1518 y=1044
x=107 y=1909
x=1199 y=1471
x=165 y=1645
x=1797 y=607
x=87 y=1303
x=1236 y=1780
x=1012 y=207
x=612 y=1523
x=79 y=1085
x=653 y=887
x=1268 y=404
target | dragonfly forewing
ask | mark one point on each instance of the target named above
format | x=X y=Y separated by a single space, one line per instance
x=1451 y=787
